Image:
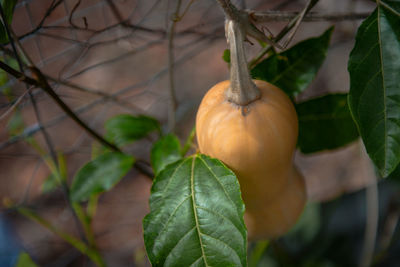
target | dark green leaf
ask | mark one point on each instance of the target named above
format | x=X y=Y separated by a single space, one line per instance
x=374 y=96
x=196 y=216
x=227 y=56
x=50 y=184
x=395 y=174
x=8 y=9
x=16 y=124
x=100 y=175
x=5 y=84
x=124 y=129
x=165 y=151
x=24 y=260
x=325 y=123
x=294 y=69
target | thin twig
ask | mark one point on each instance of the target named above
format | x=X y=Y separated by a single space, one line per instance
x=268 y=16
x=281 y=34
x=41 y=82
x=20 y=65
x=14 y=105
x=172 y=95
x=78 y=87
x=307 y=7
x=37 y=114
x=186 y=8
x=33 y=129
x=77 y=4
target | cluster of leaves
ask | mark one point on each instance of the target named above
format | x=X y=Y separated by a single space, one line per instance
x=174 y=232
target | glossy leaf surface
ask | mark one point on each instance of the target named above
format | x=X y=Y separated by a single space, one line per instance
x=325 y=123
x=374 y=97
x=294 y=69
x=100 y=175
x=124 y=129
x=196 y=216
x=165 y=151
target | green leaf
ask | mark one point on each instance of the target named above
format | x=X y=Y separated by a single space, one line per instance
x=15 y=125
x=227 y=56
x=189 y=141
x=8 y=9
x=395 y=174
x=100 y=175
x=124 y=129
x=325 y=123
x=196 y=216
x=24 y=260
x=51 y=183
x=374 y=96
x=294 y=69
x=165 y=151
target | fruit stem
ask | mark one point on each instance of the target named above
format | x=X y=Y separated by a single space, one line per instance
x=242 y=90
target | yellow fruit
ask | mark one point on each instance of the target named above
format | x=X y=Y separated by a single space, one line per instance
x=257 y=142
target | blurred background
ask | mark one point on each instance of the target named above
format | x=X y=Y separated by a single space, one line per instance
x=106 y=57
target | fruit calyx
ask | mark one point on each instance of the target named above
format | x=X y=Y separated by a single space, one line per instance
x=242 y=90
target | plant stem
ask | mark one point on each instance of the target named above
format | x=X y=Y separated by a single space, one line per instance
x=242 y=90
x=258 y=252
x=76 y=243
x=171 y=60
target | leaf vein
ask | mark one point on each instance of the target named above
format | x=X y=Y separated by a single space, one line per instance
x=195 y=211
x=216 y=178
x=223 y=242
x=223 y=217
x=172 y=214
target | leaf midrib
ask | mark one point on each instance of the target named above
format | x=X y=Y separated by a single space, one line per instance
x=384 y=92
x=195 y=211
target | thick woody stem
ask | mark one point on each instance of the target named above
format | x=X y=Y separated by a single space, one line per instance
x=242 y=90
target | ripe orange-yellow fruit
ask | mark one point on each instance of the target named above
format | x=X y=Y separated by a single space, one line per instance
x=257 y=142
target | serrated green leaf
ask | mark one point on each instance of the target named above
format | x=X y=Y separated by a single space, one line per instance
x=8 y=9
x=165 y=151
x=124 y=129
x=196 y=216
x=325 y=123
x=24 y=260
x=294 y=69
x=374 y=96
x=227 y=56
x=100 y=175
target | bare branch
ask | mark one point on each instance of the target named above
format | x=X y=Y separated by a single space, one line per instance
x=307 y=7
x=14 y=105
x=172 y=94
x=41 y=82
x=281 y=34
x=268 y=16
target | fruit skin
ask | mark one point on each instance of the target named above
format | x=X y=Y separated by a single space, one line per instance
x=257 y=142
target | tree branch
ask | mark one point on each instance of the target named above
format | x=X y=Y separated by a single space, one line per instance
x=268 y=16
x=41 y=81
